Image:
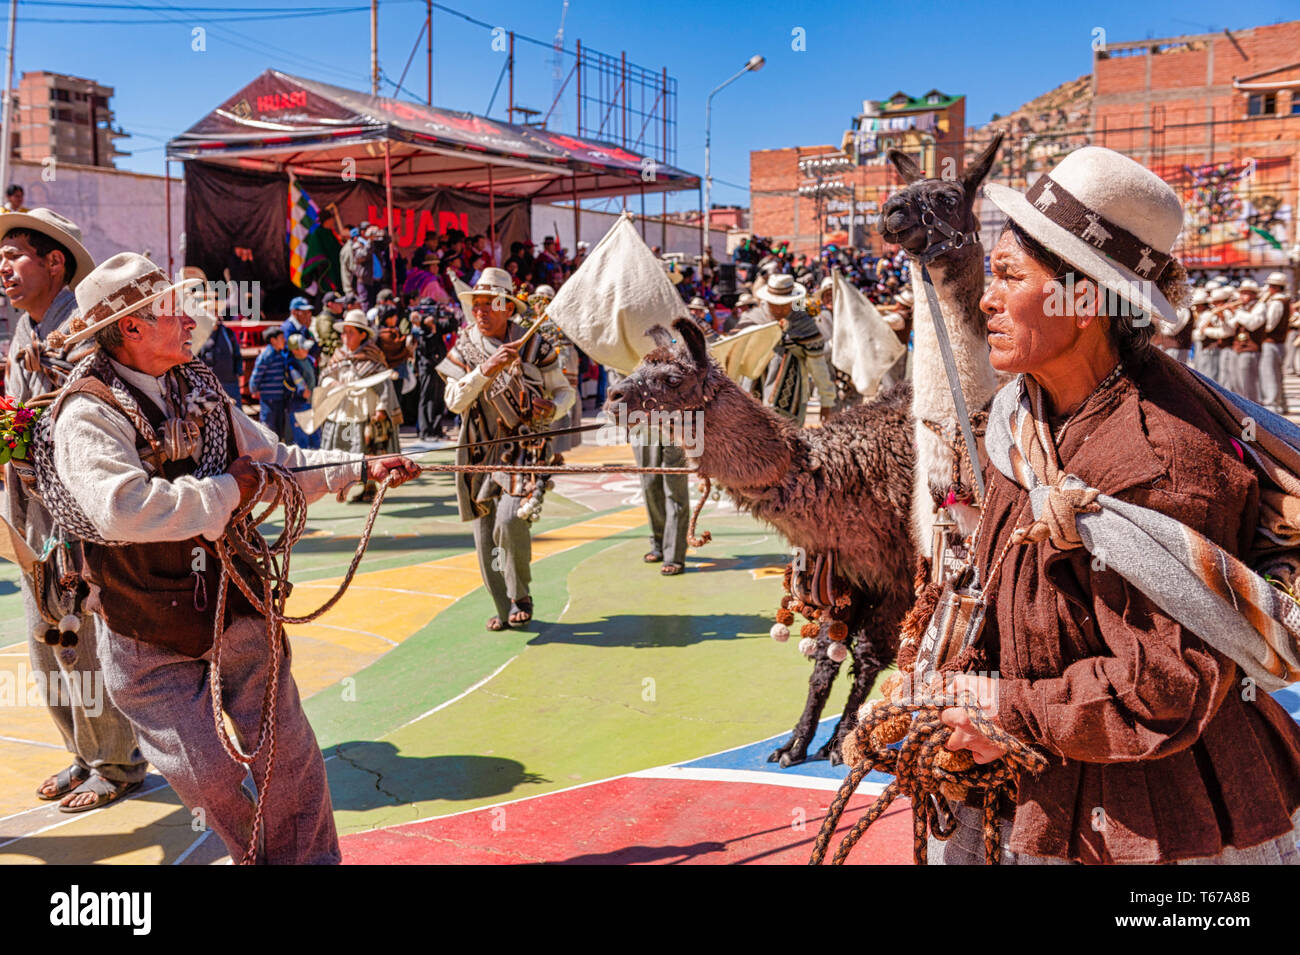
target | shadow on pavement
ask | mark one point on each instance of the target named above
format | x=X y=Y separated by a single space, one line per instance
x=372 y=774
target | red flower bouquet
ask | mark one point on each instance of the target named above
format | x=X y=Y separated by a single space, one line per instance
x=16 y=426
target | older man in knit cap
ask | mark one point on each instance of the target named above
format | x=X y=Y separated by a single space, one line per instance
x=1276 y=308
x=147 y=460
x=41 y=261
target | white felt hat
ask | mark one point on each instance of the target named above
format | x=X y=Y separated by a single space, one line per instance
x=355 y=318
x=1276 y=278
x=781 y=289
x=53 y=226
x=495 y=282
x=122 y=285
x=1107 y=215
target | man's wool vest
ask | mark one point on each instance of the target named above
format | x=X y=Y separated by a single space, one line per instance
x=162 y=593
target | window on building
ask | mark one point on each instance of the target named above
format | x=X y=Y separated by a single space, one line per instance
x=932 y=98
x=1261 y=104
x=1295 y=103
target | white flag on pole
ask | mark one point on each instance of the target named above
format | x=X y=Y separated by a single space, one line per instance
x=864 y=347
x=615 y=297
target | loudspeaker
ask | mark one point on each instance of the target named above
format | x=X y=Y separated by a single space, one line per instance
x=726 y=280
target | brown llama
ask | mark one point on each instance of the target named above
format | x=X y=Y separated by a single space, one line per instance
x=852 y=488
x=844 y=489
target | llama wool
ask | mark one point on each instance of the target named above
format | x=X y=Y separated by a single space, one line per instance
x=780 y=632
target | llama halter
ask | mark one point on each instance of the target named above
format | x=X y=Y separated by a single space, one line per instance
x=953 y=240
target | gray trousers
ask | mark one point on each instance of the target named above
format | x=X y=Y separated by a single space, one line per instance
x=1272 y=393
x=966 y=847
x=504 y=544
x=94 y=731
x=1206 y=361
x=167 y=698
x=1243 y=373
x=667 y=499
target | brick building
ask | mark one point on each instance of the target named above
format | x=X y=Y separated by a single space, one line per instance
x=805 y=193
x=65 y=117
x=1217 y=115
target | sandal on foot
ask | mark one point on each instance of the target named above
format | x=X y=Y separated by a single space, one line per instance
x=671 y=570
x=64 y=782
x=653 y=557
x=105 y=792
x=496 y=624
x=521 y=610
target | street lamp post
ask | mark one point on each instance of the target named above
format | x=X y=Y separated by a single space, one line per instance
x=754 y=65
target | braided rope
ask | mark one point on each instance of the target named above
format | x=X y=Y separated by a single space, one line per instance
x=243 y=542
x=919 y=774
x=702 y=539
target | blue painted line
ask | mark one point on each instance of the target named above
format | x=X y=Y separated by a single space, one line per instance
x=754 y=756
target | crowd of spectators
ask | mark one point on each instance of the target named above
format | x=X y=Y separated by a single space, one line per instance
x=415 y=328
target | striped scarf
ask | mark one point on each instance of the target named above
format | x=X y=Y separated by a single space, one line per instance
x=1225 y=601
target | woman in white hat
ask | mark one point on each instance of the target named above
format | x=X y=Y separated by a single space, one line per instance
x=1154 y=754
x=363 y=416
x=800 y=355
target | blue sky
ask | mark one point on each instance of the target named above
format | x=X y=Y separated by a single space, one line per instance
x=998 y=54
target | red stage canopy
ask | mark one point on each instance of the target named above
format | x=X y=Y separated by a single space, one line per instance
x=280 y=123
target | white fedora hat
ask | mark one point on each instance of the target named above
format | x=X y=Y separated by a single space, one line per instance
x=54 y=226
x=1221 y=294
x=781 y=289
x=122 y=285
x=494 y=282
x=1200 y=297
x=1248 y=285
x=355 y=318
x=905 y=297
x=1106 y=215
x=1276 y=278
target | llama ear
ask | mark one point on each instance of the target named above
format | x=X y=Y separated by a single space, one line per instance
x=979 y=169
x=906 y=166
x=694 y=339
x=662 y=336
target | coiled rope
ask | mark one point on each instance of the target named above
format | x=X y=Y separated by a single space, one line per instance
x=267 y=592
x=267 y=587
x=927 y=773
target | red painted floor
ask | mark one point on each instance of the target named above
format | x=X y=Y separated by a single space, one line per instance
x=631 y=821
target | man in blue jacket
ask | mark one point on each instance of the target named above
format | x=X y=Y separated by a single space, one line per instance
x=266 y=384
x=299 y=323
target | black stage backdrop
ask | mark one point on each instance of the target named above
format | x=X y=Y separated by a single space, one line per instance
x=226 y=207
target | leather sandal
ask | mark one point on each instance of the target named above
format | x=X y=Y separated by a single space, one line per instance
x=653 y=557
x=105 y=792
x=521 y=610
x=496 y=625
x=64 y=781
x=671 y=570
